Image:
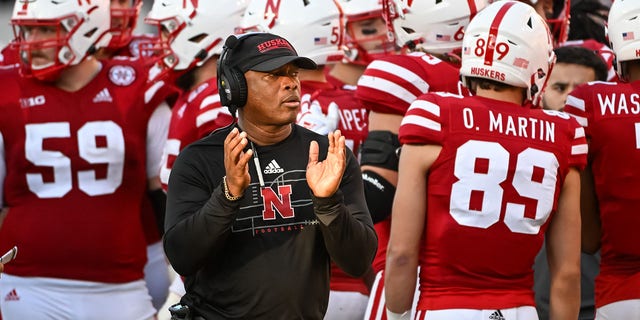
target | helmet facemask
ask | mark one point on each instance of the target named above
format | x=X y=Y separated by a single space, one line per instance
x=123 y=23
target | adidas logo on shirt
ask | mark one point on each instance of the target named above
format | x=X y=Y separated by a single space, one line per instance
x=497 y=315
x=103 y=96
x=273 y=167
x=12 y=296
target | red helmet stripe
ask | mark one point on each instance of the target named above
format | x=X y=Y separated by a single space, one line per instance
x=493 y=33
x=342 y=23
x=473 y=9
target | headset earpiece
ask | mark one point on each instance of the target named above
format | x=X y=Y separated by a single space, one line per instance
x=231 y=82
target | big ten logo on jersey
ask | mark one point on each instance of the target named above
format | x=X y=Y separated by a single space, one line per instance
x=32 y=101
x=282 y=208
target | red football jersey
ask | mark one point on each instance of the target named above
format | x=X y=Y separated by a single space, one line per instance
x=9 y=55
x=610 y=114
x=391 y=84
x=353 y=126
x=162 y=92
x=354 y=118
x=490 y=195
x=195 y=115
x=76 y=174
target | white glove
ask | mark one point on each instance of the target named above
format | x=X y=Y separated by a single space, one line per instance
x=312 y=118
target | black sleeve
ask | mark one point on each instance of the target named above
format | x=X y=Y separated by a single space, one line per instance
x=346 y=224
x=199 y=217
x=158 y=199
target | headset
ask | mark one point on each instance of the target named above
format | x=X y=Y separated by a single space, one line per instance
x=231 y=81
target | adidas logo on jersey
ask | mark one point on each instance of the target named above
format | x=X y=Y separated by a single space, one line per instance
x=12 y=296
x=103 y=96
x=273 y=167
x=497 y=315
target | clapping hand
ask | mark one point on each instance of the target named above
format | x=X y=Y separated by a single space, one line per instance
x=236 y=162
x=324 y=177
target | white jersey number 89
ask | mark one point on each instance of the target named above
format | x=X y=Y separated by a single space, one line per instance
x=488 y=183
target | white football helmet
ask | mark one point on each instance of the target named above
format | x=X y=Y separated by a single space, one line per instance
x=314 y=27
x=624 y=21
x=82 y=27
x=510 y=43
x=192 y=31
x=431 y=26
x=363 y=50
x=123 y=23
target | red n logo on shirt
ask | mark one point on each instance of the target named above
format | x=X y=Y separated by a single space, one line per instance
x=280 y=203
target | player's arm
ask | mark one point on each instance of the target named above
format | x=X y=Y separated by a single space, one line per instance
x=407 y=225
x=157 y=131
x=590 y=213
x=581 y=110
x=379 y=163
x=563 y=249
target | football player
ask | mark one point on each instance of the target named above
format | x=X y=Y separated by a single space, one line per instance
x=430 y=35
x=610 y=113
x=79 y=136
x=482 y=179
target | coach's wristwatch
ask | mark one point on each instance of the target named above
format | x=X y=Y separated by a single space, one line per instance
x=227 y=194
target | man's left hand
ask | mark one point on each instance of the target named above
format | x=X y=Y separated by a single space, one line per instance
x=324 y=177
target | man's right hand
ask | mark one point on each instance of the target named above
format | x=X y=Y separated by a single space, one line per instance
x=236 y=162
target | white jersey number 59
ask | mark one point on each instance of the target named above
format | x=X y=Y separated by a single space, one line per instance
x=111 y=154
